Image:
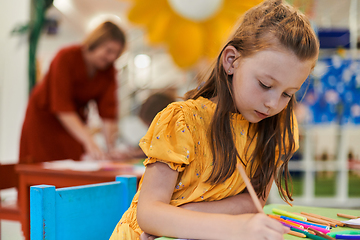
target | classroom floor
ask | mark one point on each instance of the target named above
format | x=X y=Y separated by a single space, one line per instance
x=11 y=230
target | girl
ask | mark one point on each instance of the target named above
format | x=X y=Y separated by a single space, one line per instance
x=242 y=114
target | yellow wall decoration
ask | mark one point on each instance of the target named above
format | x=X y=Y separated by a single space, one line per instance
x=192 y=29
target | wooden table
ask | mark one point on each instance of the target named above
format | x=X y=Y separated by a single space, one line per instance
x=45 y=173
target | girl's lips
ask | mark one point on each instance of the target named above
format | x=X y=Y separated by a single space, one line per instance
x=261 y=115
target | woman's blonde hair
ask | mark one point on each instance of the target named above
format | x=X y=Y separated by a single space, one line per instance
x=104 y=32
x=275 y=24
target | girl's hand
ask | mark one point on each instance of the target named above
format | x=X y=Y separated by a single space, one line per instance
x=257 y=227
x=145 y=236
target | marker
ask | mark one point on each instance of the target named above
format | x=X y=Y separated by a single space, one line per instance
x=285 y=221
x=308 y=223
x=289 y=226
x=316 y=228
x=345 y=232
x=345 y=236
x=288 y=214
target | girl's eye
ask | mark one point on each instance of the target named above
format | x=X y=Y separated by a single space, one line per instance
x=264 y=86
x=287 y=95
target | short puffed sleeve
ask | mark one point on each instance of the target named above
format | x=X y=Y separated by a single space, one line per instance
x=168 y=139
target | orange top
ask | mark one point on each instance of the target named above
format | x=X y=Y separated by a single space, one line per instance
x=65 y=88
x=178 y=137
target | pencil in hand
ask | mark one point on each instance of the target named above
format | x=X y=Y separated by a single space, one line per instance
x=250 y=189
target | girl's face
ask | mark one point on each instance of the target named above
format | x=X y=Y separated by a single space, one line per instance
x=264 y=83
x=105 y=54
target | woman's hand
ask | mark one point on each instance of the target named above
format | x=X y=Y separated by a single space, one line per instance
x=93 y=150
x=256 y=227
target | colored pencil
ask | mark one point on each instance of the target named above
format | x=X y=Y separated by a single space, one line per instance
x=250 y=189
x=332 y=223
x=347 y=216
x=309 y=235
x=327 y=219
x=297 y=234
x=321 y=234
x=316 y=220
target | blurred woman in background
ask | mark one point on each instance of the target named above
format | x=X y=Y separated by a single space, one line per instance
x=54 y=126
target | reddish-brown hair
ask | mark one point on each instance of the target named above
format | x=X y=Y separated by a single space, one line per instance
x=104 y=32
x=272 y=24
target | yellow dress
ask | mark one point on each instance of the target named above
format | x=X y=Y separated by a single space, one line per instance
x=178 y=137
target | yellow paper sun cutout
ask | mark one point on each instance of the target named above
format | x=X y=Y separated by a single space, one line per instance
x=192 y=29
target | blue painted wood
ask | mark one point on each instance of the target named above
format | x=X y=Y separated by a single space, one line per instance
x=82 y=212
x=42 y=212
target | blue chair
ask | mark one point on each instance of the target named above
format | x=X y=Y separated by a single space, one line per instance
x=81 y=212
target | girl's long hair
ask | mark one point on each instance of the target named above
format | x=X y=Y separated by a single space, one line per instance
x=271 y=24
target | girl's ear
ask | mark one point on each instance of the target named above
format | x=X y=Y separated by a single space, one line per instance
x=229 y=55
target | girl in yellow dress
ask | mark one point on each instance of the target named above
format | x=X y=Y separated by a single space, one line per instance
x=243 y=113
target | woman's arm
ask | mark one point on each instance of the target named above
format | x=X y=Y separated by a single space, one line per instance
x=238 y=204
x=72 y=123
x=110 y=131
x=157 y=217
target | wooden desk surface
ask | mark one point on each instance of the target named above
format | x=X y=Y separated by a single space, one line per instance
x=49 y=173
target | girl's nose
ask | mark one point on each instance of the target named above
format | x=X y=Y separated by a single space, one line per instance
x=272 y=102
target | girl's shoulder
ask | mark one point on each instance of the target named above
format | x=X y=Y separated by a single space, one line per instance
x=200 y=104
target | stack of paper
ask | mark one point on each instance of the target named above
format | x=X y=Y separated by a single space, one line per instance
x=354 y=223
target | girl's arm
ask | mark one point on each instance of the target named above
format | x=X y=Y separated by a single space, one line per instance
x=238 y=204
x=157 y=217
x=72 y=123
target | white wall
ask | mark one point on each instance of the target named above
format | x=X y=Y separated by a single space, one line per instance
x=13 y=77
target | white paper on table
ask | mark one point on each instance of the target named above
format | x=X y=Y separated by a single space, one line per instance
x=86 y=166
x=352 y=221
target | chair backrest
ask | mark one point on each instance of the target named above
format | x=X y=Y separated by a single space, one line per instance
x=82 y=212
x=8 y=176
